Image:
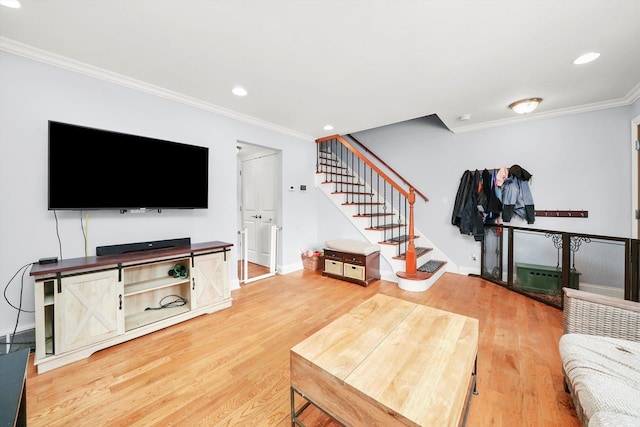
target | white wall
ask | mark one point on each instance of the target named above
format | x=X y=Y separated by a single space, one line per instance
x=34 y=92
x=582 y=161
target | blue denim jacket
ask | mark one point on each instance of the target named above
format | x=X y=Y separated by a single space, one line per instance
x=517 y=199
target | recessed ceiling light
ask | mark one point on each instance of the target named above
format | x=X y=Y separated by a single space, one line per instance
x=464 y=117
x=327 y=127
x=525 y=106
x=239 y=91
x=14 y=4
x=587 y=57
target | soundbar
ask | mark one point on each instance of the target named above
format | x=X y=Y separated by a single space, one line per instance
x=141 y=246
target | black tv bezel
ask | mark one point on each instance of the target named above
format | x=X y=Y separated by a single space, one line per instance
x=203 y=182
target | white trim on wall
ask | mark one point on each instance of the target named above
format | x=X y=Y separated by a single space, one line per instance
x=31 y=52
x=27 y=51
x=634 y=175
x=630 y=98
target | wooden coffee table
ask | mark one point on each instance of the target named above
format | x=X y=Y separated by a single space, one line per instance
x=388 y=362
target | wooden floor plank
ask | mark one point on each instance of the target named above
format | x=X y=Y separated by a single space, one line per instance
x=232 y=367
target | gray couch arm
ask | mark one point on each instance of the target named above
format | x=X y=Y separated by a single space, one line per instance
x=593 y=314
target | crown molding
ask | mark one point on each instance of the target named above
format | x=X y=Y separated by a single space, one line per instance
x=629 y=99
x=30 y=52
x=633 y=95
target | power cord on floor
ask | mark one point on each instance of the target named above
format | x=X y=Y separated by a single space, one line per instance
x=19 y=307
x=177 y=302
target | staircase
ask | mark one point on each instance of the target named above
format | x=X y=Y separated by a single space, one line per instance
x=381 y=209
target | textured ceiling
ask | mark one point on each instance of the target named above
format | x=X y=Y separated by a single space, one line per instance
x=354 y=64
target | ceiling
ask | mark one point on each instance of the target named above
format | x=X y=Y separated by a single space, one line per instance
x=354 y=64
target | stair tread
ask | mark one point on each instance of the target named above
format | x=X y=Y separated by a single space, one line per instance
x=352 y=192
x=385 y=227
x=363 y=204
x=368 y=215
x=341 y=182
x=337 y=174
x=331 y=159
x=419 y=252
x=432 y=266
x=397 y=240
x=332 y=166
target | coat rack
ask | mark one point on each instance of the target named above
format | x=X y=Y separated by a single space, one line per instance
x=563 y=214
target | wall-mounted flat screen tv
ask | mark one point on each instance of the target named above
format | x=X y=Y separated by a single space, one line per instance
x=93 y=169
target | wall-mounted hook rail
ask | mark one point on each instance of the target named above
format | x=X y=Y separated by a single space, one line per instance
x=556 y=213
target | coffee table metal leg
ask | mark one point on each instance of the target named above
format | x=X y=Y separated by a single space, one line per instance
x=472 y=391
x=295 y=421
x=294 y=414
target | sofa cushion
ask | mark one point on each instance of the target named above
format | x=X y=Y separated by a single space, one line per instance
x=612 y=419
x=352 y=246
x=603 y=372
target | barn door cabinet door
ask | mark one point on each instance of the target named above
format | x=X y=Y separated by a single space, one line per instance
x=209 y=279
x=88 y=309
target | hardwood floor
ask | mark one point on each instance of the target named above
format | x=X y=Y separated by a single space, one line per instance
x=232 y=367
x=253 y=270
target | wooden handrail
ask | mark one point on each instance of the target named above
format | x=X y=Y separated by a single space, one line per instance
x=425 y=198
x=368 y=162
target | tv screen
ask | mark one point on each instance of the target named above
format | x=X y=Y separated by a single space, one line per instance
x=98 y=169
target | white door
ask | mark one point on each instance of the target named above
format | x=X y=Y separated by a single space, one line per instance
x=259 y=206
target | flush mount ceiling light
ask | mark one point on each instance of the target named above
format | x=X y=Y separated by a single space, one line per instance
x=239 y=91
x=14 y=4
x=587 y=57
x=327 y=127
x=525 y=106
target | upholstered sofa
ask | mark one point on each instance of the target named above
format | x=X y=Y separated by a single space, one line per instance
x=600 y=352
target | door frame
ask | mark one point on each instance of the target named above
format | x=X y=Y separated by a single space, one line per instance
x=256 y=151
x=635 y=177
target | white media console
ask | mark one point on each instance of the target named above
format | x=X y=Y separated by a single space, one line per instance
x=87 y=304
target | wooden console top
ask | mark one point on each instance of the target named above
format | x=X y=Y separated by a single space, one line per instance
x=93 y=262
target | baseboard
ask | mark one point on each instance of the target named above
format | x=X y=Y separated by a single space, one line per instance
x=290 y=268
x=466 y=271
x=296 y=266
x=389 y=276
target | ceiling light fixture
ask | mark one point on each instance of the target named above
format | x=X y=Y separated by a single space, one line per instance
x=239 y=91
x=327 y=127
x=525 y=106
x=13 y=4
x=587 y=57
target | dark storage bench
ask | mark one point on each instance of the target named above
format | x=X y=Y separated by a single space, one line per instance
x=352 y=260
